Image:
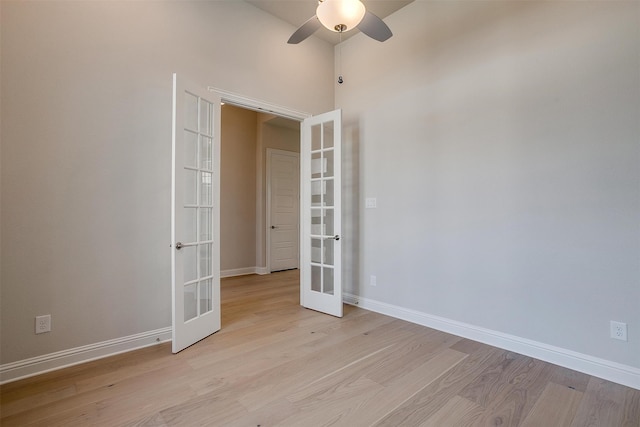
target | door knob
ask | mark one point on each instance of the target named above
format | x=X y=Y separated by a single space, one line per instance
x=336 y=237
x=273 y=227
x=178 y=245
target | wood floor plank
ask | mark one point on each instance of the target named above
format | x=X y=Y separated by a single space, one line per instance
x=604 y=405
x=403 y=388
x=567 y=377
x=210 y=409
x=490 y=382
x=153 y=420
x=521 y=385
x=631 y=409
x=222 y=350
x=276 y=363
x=66 y=379
x=333 y=406
x=522 y=390
x=237 y=367
x=429 y=400
x=317 y=365
x=411 y=355
x=139 y=364
x=556 y=407
x=246 y=369
x=276 y=412
x=22 y=403
x=352 y=371
x=456 y=412
x=141 y=393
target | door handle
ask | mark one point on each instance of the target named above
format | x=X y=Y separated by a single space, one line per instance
x=179 y=246
x=336 y=237
x=273 y=227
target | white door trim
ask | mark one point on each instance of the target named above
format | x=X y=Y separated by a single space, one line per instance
x=271 y=151
x=259 y=105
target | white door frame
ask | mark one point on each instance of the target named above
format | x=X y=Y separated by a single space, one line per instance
x=259 y=106
x=268 y=204
x=262 y=107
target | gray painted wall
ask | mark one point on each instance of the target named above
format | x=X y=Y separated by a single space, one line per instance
x=86 y=150
x=502 y=141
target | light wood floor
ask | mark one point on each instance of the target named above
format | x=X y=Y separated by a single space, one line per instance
x=275 y=363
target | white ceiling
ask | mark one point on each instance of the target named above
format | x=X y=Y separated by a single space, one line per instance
x=297 y=12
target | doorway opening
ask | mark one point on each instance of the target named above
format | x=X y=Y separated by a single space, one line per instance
x=259 y=190
x=319 y=225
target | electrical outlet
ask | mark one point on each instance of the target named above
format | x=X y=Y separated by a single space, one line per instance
x=372 y=280
x=43 y=324
x=618 y=330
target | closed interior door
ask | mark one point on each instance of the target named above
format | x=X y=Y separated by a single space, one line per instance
x=283 y=210
x=321 y=274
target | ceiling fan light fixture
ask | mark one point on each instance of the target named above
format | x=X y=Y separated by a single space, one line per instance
x=340 y=15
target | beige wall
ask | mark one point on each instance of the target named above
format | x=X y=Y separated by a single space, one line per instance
x=86 y=150
x=238 y=188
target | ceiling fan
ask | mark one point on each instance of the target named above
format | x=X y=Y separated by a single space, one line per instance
x=340 y=16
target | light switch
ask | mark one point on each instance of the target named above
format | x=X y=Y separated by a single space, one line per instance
x=370 y=203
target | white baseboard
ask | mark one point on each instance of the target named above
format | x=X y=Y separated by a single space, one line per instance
x=244 y=271
x=262 y=271
x=238 y=272
x=601 y=368
x=62 y=359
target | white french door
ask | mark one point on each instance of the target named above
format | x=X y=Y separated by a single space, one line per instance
x=321 y=247
x=195 y=214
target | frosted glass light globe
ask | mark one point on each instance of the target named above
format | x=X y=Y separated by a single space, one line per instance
x=340 y=15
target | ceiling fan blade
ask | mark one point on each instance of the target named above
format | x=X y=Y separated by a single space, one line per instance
x=305 y=30
x=374 y=27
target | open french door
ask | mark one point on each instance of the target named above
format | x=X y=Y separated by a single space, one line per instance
x=320 y=244
x=195 y=214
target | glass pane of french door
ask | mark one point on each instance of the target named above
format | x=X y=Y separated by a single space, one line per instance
x=198 y=135
x=322 y=207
